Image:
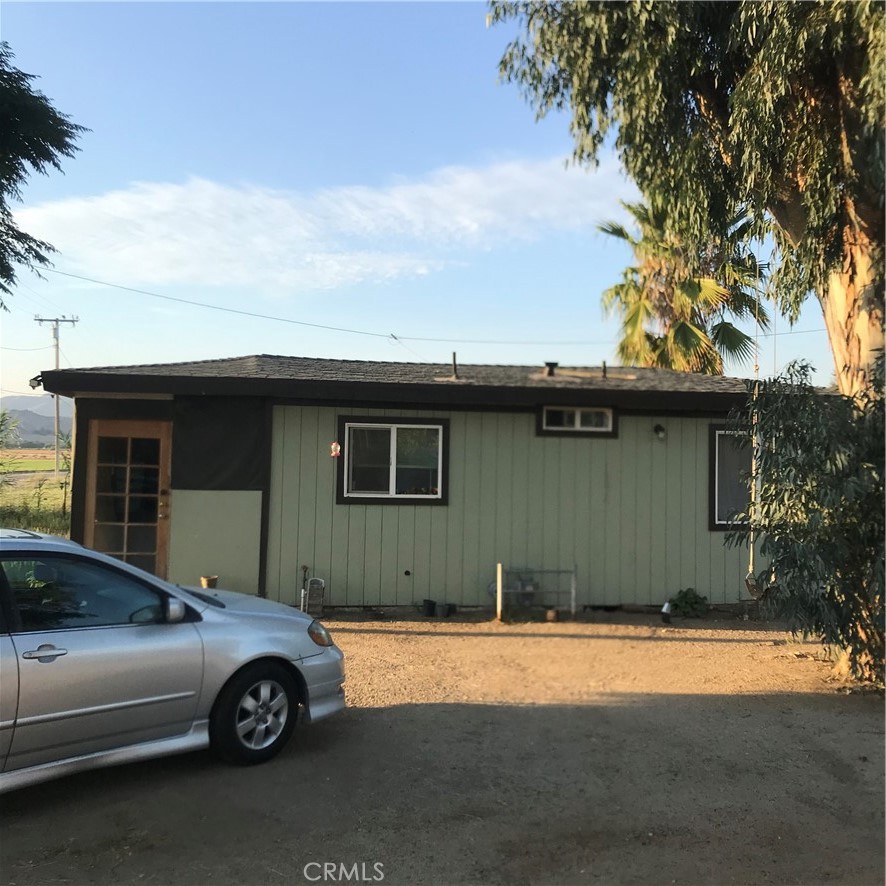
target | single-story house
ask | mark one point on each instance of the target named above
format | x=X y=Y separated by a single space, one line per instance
x=398 y=482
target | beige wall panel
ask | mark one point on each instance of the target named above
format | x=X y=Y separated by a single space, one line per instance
x=215 y=533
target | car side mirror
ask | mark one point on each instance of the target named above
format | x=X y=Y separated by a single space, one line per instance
x=175 y=610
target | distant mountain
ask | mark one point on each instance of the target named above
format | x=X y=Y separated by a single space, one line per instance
x=36 y=418
x=42 y=404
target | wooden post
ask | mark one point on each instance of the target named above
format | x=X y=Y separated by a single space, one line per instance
x=572 y=586
x=499 y=591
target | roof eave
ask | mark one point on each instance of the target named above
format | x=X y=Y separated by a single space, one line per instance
x=72 y=383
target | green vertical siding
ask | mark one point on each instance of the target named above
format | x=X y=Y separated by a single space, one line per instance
x=674 y=529
x=629 y=579
x=631 y=512
x=610 y=457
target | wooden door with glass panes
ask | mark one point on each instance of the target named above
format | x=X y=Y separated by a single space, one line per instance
x=127 y=505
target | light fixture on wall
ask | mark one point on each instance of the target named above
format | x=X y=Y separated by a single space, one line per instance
x=660 y=432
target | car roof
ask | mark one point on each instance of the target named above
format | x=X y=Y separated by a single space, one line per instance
x=25 y=538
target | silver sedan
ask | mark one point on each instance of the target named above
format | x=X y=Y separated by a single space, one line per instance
x=101 y=663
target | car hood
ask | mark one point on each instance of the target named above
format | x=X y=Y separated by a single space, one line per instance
x=248 y=604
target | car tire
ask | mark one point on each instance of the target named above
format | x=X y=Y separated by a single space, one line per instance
x=254 y=714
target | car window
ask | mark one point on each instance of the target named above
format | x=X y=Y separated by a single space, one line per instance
x=53 y=593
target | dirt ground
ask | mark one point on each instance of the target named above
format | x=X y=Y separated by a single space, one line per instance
x=620 y=751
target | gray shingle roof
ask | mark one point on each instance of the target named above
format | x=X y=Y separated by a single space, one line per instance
x=354 y=384
x=309 y=369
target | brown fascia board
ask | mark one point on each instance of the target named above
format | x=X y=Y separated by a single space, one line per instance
x=71 y=383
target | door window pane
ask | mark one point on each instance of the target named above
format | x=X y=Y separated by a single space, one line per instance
x=142 y=539
x=110 y=478
x=144 y=480
x=109 y=539
x=112 y=450
x=145 y=451
x=142 y=509
x=61 y=593
x=110 y=508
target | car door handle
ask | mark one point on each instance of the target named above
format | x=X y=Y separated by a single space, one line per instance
x=46 y=653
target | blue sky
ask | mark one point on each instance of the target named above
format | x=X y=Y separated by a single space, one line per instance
x=350 y=165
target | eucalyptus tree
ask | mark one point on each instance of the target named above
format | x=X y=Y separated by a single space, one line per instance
x=819 y=511
x=34 y=137
x=677 y=307
x=719 y=107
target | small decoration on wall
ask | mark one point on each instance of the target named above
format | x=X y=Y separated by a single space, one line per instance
x=335 y=449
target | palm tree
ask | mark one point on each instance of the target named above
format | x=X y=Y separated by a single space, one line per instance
x=675 y=306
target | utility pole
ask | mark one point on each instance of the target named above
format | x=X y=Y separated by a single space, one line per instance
x=56 y=322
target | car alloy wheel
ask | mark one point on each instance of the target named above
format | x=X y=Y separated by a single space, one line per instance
x=262 y=714
x=255 y=713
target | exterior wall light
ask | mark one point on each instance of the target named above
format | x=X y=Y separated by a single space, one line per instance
x=660 y=432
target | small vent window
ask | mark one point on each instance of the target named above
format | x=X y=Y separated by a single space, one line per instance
x=583 y=420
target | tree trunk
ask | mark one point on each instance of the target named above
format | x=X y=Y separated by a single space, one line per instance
x=853 y=314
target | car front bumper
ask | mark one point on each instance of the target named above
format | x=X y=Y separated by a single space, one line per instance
x=324 y=678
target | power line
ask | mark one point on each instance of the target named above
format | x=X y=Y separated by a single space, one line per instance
x=791 y=332
x=200 y=304
x=499 y=341
x=44 y=348
x=387 y=335
x=396 y=340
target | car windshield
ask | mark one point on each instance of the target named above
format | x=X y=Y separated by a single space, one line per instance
x=206 y=598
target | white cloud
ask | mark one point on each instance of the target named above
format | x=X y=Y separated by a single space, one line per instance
x=205 y=233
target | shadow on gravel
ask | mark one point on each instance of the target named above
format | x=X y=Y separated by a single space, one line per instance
x=667 y=635
x=405 y=617
x=778 y=788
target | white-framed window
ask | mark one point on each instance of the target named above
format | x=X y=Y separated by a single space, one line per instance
x=580 y=420
x=730 y=477
x=393 y=461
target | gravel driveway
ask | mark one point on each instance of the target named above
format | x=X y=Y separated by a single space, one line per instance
x=622 y=751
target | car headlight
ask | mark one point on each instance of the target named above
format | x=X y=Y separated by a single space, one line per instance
x=319 y=634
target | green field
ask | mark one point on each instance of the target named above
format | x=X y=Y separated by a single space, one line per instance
x=30 y=465
x=37 y=503
x=18 y=461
